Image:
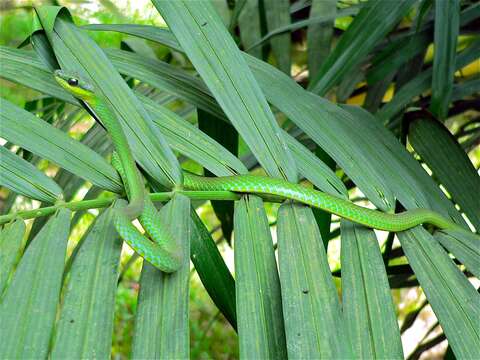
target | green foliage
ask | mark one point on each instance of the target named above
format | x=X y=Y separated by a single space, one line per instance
x=337 y=94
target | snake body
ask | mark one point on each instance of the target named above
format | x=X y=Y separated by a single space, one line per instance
x=335 y=205
x=163 y=252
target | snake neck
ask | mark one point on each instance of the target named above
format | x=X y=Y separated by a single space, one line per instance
x=132 y=180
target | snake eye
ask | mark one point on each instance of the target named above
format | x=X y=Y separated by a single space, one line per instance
x=73 y=82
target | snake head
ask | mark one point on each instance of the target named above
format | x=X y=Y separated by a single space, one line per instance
x=74 y=84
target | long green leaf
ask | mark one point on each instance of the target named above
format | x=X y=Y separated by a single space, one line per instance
x=466 y=88
x=454 y=300
x=220 y=64
x=352 y=10
x=228 y=137
x=249 y=23
x=161 y=324
x=367 y=303
x=193 y=143
x=44 y=82
x=410 y=182
x=397 y=54
x=85 y=327
x=447 y=19
x=331 y=127
x=11 y=245
x=160 y=35
x=375 y=20
x=23 y=178
x=319 y=36
x=28 y=308
x=464 y=246
x=313 y=169
x=75 y=51
x=259 y=303
x=449 y=164
x=166 y=77
x=311 y=308
x=26 y=130
x=277 y=15
x=212 y=270
x=422 y=83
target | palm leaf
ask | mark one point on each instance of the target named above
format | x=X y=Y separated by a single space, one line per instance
x=447 y=18
x=11 y=246
x=85 y=326
x=163 y=298
x=449 y=163
x=28 y=307
x=454 y=300
x=26 y=130
x=367 y=302
x=23 y=178
x=202 y=34
x=259 y=305
x=66 y=40
x=310 y=302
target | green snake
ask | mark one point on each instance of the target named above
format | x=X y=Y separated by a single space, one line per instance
x=163 y=252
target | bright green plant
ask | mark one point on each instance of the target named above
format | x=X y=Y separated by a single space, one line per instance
x=212 y=67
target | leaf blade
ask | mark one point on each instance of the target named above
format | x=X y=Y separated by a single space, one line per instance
x=85 y=327
x=454 y=300
x=39 y=276
x=27 y=131
x=367 y=303
x=163 y=298
x=11 y=245
x=449 y=164
x=202 y=35
x=23 y=178
x=310 y=301
x=447 y=21
x=259 y=308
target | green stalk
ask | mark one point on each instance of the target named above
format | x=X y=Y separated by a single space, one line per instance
x=102 y=203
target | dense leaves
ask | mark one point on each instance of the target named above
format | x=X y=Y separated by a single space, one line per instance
x=232 y=87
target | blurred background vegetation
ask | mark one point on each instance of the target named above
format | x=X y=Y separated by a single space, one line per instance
x=211 y=335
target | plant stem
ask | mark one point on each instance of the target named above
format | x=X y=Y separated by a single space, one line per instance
x=102 y=203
